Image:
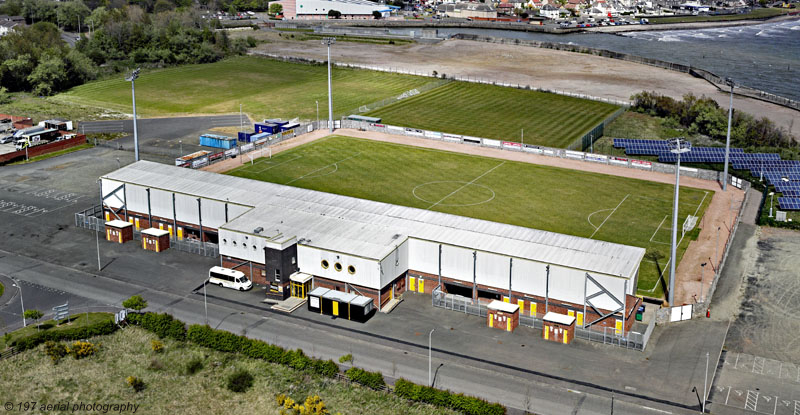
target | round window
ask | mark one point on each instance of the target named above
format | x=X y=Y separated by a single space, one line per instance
x=337 y=266
x=254 y=247
x=224 y=241
x=234 y=243
x=244 y=245
x=325 y=264
x=351 y=269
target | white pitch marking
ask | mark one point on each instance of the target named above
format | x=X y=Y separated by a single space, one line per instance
x=466 y=184
x=657 y=229
x=588 y=218
x=609 y=215
x=323 y=167
x=263 y=160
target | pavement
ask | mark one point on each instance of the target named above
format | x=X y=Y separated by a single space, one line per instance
x=40 y=246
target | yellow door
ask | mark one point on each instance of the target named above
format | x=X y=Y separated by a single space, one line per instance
x=547 y=333
x=161 y=226
x=571 y=313
x=136 y=222
x=169 y=228
x=108 y=234
x=130 y=219
x=580 y=319
x=157 y=246
x=412 y=283
x=120 y=236
x=521 y=305
x=180 y=233
x=566 y=336
x=506 y=299
x=421 y=285
x=533 y=309
x=144 y=243
x=491 y=321
x=108 y=216
x=619 y=327
x=508 y=324
x=335 y=308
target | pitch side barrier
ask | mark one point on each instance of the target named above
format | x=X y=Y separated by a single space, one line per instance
x=545 y=151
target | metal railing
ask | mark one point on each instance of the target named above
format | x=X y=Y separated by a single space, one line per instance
x=606 y=335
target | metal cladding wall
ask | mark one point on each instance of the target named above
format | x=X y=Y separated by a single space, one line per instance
x=394 y=264
x=528 y=277
x=241 y=246
x=367 y=273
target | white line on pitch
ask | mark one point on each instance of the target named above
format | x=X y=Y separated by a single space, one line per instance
x=609 y=215
x=466 y=184
x=659 y=228
x=321 y=168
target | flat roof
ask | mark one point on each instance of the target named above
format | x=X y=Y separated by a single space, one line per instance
x=319 y=291
x=155 y=232
x=339 y=296
x=361 y=301
x=503 y=306
x=558 y=318
x=372 y=229
x=116 y=223
x=300 y=277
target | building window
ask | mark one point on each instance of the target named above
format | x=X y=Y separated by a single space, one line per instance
x=351 y=269
x=224 y=241
x=294 y=260
x=234 y=243
x=277 y=275
x=244 y=245
x=254 y=247
x=325 y=264
x=337 y=266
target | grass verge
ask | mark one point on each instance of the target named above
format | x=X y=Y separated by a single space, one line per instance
x=43 y=108
x=169 y=388
x=76 y=320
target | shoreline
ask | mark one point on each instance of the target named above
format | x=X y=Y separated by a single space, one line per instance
x=619 y=30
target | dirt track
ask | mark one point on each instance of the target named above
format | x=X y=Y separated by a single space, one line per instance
x=567 y=71
x=720 y=213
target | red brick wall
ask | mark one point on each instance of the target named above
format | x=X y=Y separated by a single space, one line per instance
x=43 y=149
x=144 y=223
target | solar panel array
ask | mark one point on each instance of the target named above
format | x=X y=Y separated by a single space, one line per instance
x=783 y=174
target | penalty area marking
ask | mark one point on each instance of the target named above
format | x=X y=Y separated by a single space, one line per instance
x=657 y=229
x=589 y=218
x=336 y=163
x=609 y=215
x=273 y=165
x=414 y=192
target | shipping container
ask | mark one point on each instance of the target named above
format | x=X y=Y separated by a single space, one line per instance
x=337 y=303
x=288 y=127
x=261 y=136
x=191 y=158
x=270 y=128
x=245 y=137
x=217 y=141
x=315 y=299
x=361 y=309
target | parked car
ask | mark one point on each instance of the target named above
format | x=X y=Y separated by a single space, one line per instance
x=7 y=139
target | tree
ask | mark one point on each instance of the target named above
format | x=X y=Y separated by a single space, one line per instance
x=69 y=13
x=334 y=14
x=376 y=14
x=5 y=97
x=48 y=75
x=136 y=302
x=163 y=6
x=34 y=315
x=275 y=9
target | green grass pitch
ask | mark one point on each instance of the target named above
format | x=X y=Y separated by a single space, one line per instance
x=498 y=112
x=265 y=88
x=615 y=209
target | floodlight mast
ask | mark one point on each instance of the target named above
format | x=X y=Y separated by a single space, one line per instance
x=329 y=41
x=730 y=83
x=678 y=146
x=132 y=79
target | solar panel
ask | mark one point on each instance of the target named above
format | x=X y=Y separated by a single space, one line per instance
x=789 y=203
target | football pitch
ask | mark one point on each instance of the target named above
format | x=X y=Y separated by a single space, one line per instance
x=609 y=208
x=497 y=112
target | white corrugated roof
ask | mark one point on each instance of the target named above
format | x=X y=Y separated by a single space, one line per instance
x=155 y=232
x=503 y=306
x=372 y=229
x=116 y=223
x=558 y=318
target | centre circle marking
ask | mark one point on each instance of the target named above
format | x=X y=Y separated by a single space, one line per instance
x=489 y=199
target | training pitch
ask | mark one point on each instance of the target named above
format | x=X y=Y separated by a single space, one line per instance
x=609 y=208
x=266 y=88
x=498 y=112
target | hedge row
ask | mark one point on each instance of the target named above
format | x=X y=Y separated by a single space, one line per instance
x=75 y=333
x=163 y=325
x=228 y=342
x=457 y=401
x=372 y=380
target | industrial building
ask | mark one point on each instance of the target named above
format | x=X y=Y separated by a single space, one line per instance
x=318 y=9
x=278 y=234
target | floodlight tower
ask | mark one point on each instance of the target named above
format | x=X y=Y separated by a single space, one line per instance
x=132 y=78
x=329 y=41
x=730 y=83
x=677 y=146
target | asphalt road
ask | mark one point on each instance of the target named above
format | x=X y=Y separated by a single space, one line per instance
x=40 y=246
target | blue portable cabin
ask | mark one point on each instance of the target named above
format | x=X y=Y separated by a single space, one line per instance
x=259 y=136
x=271 y=128
x=245 y=137
x=276 y=121
x=217 y=141
x=288 y=127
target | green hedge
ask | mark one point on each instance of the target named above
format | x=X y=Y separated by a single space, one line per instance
x=76 y=333
x=163 y=325
x=457 y=401
x=372 y=380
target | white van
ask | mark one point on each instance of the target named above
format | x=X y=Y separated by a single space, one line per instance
x=229 y=278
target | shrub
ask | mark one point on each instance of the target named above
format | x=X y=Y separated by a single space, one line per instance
x=136 y=302
x=327 y=368
x=156 y=364
x=136 y=383
x=55 y=350
x=75 y=333
x=240 y=381
x=467 y=404
x=193 y=366
x=372 y=380
x=163 y=325
x=81 y=349
x=346 y=358
x=157 y=346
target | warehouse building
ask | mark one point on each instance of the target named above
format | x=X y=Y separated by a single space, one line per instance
x=318 y=9
x=273 y=233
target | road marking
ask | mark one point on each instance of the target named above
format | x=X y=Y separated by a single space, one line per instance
x=737 y=360
x=609 y=215
x=657 y=410
x=758 y=365
x=796 y=407
x=775 y=410
x=321 y=168
x=751 y=401
x=467 y=184
x=728 y=396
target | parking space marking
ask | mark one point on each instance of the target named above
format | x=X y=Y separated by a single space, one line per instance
x=796 y=407
x=751 y=401
x=728 y=396
x=758 y=365
x=737 y=360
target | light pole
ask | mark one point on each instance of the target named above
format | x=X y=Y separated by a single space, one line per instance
x=132 y=78
x=241 y=120
x=705 y=386
x=771 y=198
x=180 y=144
x=716 y=249
x=329 y=41
x=205 y=303
x=317 y=114
x=729 y=82
x=21 y=303
x=97 y=239
x=429 y=357
x=702 y=280
x=678 y=146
